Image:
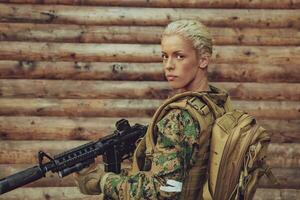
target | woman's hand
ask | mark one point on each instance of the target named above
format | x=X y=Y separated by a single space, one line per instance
x=88 y=179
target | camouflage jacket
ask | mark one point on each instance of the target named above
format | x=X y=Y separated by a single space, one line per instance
x=177 y=139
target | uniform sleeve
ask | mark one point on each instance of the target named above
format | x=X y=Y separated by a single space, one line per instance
x=177 y=141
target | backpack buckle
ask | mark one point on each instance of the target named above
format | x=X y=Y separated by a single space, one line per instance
x=201 y=107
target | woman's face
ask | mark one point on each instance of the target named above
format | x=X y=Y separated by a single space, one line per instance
x=182 y=65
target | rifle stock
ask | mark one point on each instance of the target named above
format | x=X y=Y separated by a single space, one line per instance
x=114 y=148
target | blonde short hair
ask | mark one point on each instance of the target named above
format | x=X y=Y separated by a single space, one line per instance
x=194 y=31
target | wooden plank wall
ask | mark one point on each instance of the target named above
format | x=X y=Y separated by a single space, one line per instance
x=69 y=69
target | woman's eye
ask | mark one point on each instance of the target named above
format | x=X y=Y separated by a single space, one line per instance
x=164 y=56
x=180 y=57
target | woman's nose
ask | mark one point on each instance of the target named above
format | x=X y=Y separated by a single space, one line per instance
x=169 y=65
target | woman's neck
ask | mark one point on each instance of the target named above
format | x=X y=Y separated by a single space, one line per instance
x=199 y=85
x=202 y=86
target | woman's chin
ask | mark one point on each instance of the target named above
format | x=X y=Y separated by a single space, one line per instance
x=173 y=86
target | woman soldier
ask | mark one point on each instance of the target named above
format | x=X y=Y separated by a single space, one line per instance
x=171 y=160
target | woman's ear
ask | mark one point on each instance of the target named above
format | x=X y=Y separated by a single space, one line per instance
x=203 y=61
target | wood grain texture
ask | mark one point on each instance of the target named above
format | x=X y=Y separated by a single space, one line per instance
x=79 y=52
x=80 y=33
x=69 y=69
x=284 y=110
x=142 y=71
x=59 y=128
x=83 y=89
x=79 y=128
x=79 y=107
x=48 y=193
x=72 y=193
x=142 y=53
x=85 y=70
x=25 y=152
x=271 y=194
x=137 y=89
x=174 y=3
x=140 y=34
x=287 y=177
x=148 y=16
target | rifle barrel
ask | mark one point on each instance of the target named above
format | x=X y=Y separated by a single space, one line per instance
x=21 y=178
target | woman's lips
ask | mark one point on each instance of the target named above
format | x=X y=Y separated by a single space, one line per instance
x=171 y=77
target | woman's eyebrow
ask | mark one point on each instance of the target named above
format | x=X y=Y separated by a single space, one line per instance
x=175 y=52
x=179 y=51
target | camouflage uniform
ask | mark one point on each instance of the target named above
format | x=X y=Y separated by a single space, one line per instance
x=177 y=141
x=181 y=153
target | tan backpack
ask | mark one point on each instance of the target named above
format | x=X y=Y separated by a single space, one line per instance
x=237 y=160
x=237 y=156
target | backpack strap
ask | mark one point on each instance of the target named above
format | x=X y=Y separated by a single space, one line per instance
x=270 y=175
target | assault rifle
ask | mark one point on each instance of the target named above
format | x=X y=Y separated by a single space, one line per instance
x=114 y=148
